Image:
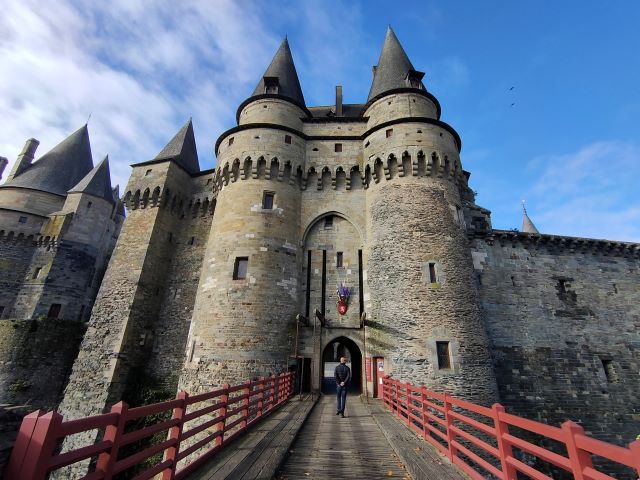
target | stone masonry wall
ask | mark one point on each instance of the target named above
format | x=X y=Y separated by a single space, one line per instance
x=15 y=258
x=564 y=322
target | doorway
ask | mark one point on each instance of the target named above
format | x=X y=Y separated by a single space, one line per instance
x=302 y=369
x=378 y=372
x=336 y=348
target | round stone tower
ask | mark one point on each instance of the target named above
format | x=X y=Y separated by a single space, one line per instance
x=248 y=293
x=425 y=309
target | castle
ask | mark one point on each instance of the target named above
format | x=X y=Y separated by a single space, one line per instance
x=233 y=273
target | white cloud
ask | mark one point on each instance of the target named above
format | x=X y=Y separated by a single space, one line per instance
x=590 y=193
x=140 y=68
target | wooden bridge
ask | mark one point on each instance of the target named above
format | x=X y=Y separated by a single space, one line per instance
x=260 y=430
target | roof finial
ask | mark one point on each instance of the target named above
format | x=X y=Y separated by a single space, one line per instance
x=88 y=118
x=524 y=209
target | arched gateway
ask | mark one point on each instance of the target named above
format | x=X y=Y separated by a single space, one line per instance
x=336 y=348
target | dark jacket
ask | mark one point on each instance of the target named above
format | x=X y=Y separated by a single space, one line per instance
x=342 y=374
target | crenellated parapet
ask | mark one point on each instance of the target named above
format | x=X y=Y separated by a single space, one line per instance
x=560 y=243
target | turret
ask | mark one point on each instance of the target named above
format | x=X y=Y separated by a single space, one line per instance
x=278 y=98
x=527 y=224
x=24 y=159
x=3 y=165
x=425 y=292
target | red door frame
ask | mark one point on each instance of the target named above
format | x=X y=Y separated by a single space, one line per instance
x=377 y=375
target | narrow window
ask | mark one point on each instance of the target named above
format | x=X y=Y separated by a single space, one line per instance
x=240 y=268
x=157 y=292
x=54 y=310
x=339 y=257
x=36 y=272
x=209 y=181
x=231 y=141
x=609 y=370
x=366 y=145
x=192 y=240
x=432 y=273
x=389 y=132
x=89 y=205
x=328 y=221
x=170 y=236
x=338 y=147
x=267 y=200
x=22 y=220
x=562 y=285
x=287 y=139
x=444 y=358
x=148 y=172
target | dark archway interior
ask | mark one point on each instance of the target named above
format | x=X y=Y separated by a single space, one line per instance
x=341 y=347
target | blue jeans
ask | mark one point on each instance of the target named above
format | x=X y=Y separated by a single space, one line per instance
x=342 y=398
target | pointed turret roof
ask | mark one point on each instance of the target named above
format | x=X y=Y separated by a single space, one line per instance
x=182 y=149
x=393 y=67
x=97 y=182
x=527 y=224
x=283 y=68
x=61 y=167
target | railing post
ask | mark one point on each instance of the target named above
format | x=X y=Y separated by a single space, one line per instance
x=578 y=458
x=245 y=403
x=425 y=416
x=449 y=421
x=407 y=399
x=276 y=391
x=396 y=397
x=635 y=452
x=260 y=397
x=112 y=434
x=43 y=441
x=23 y=443
x=502 y=428
x=272 y=392
x=224 y=399
x=176 y=434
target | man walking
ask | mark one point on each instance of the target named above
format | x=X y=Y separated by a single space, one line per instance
x=342 y=375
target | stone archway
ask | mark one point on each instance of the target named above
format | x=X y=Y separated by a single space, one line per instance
x=336 y=348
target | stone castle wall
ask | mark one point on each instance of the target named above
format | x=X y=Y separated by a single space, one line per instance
x=564 y=321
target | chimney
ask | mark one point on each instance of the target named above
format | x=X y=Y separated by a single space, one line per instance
x=338 y=100
x=3 y=165
x=24 y=159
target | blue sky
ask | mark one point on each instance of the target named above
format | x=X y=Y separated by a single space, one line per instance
x=569 y=144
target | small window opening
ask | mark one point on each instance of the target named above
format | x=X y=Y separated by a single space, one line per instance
x=419 y=131
x=432 y=273
x=89 y=205
x=36 y=272
x=209 y=180
x=54 y=310
x=257 y=137
x=338 y=147
x=192 y=240
x=366 y=145
x=148 y=172
x=328 y=221
x=170 y=236
x=562 y=285
x=287 y=139
x=315 y=149
x=444 y=358
x=615 y=288
x=157 y=292
x=271 y=85
x=389 y=132
x=339 y=260
x=609 y=370
x=240 y=268
x=231 y=141
x=22 y=220
x=513 y=281
x=267 y=200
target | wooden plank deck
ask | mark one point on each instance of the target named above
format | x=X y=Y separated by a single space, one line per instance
x=331 y=447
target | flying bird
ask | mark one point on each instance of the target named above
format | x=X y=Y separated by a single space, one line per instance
x=513 y=104
x=511 y=88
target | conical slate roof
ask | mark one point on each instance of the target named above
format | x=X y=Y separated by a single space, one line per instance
x=60 y=168
x=393 y=66
x=97 y=182
x=182 y=149
x=527 y=224
x=283 y=68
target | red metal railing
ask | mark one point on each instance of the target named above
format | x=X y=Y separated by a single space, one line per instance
x=485 y=443
x=230 y=411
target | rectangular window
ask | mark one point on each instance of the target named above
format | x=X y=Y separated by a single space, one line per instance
x=609 y=371
x=231 y=141
x=328 y=222
x=54 y=310
x=192 y=240
x=287 y=139
x=22 y=220
x=389 y=132
x=170 y=236
x=444 y=358
x=36 y=272
x=240 y=268
x=89 y=205
x=338 y=147
x=267 y=200
x=432 y=273
x=339 y=260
